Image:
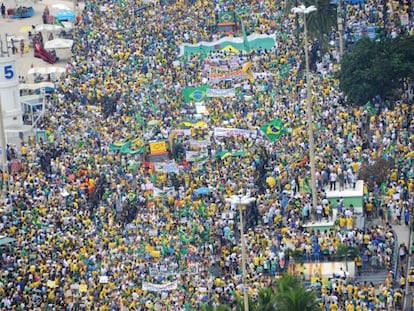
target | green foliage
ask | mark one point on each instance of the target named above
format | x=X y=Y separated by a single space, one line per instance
x=346 y=252
x=215 y=308
x=288 y=294
x=376 y=68
x=321 y=21
x=292 y=295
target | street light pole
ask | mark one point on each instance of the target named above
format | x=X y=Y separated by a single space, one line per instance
x=5 y=169
x=340 y=29
x=306 y=10
x=242 y=201
x=243 y=250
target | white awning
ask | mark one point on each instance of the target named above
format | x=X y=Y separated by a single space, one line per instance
x=36 y=86
x=46 y=70
x=48 y=27
x=59 y=44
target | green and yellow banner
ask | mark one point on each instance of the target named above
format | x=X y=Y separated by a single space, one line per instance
x=273 y=129
x=195 y=94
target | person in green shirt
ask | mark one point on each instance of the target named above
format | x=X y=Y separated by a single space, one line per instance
x=412 y=250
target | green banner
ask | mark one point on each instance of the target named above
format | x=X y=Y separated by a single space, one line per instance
x=244 y=43
x=195 y=94
x=128 y=147
x=225 y=154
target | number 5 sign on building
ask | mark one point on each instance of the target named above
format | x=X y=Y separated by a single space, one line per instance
x=7 y=72
x=10 y=93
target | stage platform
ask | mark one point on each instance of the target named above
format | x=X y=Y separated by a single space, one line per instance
x=349 y=195
x=323 y=224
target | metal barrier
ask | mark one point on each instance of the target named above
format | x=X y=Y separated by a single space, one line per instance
x=396 y=258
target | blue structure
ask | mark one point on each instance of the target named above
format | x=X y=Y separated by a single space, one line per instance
x=65 y=15
x=21 y=12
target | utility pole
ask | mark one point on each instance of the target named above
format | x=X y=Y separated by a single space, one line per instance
x=340 y=29
x=244 y=271
x=4 y=165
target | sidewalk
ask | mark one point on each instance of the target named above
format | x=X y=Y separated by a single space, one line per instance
x=12 y=27
x=403 y=234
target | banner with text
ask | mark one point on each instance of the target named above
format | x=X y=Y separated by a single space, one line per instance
x=221 y=92
x=151 y=287
x=229 y=132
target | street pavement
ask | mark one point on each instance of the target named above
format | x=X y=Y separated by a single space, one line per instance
x=12 y=27
x=404 y=236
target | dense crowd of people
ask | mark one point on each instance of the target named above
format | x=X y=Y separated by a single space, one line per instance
x=95 y=228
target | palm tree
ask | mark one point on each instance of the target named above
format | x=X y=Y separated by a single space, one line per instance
x=265 y=301
x=292 y=295
x=215 y=308
x=288 y=294
x=320 y=22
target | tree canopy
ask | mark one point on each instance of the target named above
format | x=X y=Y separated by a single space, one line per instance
x=376 y=68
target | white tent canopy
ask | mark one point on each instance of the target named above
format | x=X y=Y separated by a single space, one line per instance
x=59 y=44
x=36 y=86
x=48 y=27
x=15 y=38
x=61 y=6
x=46 y=70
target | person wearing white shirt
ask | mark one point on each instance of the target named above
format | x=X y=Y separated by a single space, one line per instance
x=332 y=179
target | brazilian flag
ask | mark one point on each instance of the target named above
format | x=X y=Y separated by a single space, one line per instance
x=227 y=17
x=370 y=109
x=273 y=129
x=195 y=94
x=131 y=197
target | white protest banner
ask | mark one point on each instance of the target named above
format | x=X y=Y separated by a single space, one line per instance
x=151 y=287
x=181 y=132
x=165 y=192
x=261 y=74
x=221 y=92
x=229 y=132
x=199 y=143
x=167 y=167
x=200 y=108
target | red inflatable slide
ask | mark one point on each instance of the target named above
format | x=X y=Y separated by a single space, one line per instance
x=40 y=52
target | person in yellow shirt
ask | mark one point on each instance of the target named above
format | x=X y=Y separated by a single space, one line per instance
x=349 y=222
x=368 y=209
x=333 y=307
x=342 y=221
x=350 y=306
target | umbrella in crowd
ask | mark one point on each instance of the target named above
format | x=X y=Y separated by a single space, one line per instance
x=202 y=191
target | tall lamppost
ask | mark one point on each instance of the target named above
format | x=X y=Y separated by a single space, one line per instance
x=241 y=202
x=340 y=21
x=4 y=165
x=305 y=11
